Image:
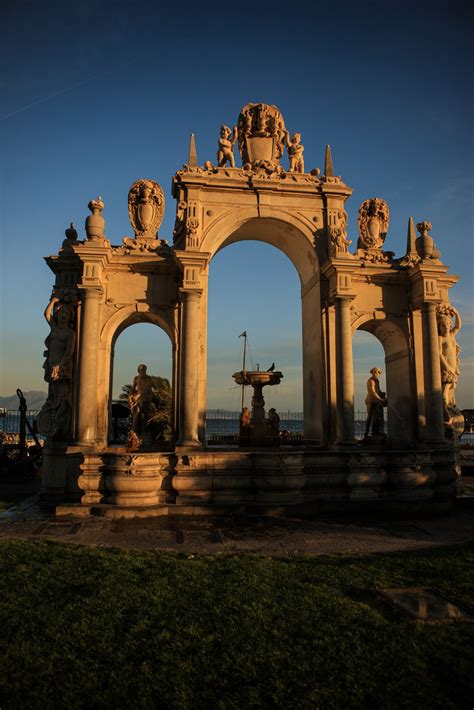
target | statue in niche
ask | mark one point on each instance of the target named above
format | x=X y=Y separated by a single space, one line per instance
x=140 y=400
x=55 y=416
x=449 y=356
x=375 y=400
x=295 y=152
x=226 y=143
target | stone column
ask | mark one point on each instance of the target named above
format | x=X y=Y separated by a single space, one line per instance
x=87 y=400
x=189 y=405
x=432 y=373
x=344 y=372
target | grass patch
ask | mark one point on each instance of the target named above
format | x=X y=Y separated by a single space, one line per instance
x=88 y=628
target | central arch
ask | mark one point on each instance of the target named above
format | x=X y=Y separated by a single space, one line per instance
x=295 y=238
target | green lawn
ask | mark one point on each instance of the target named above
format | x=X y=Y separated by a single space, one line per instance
x=88 y=628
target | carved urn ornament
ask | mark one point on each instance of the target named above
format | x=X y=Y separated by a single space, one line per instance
x=95 y=223
x=425 y=244
x=146 y=205
x=261 y=136
x=373 y=221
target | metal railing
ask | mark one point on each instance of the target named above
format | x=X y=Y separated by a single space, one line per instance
x=10 y=424
x=219 y=423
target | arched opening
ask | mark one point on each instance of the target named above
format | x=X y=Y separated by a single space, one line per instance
x=253 y=287
x=135 y=344
x=296 y=240
x=373 y=340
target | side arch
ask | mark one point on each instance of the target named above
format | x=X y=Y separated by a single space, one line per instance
x=111 y=329
x=401 y=392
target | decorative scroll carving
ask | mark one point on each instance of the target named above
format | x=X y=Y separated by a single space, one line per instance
x=54 y=420
x=192 y=225
x=449 y=360
x=374 y=217
x=337 y=233
x=146 y=205
x=130 y=245
x=261 y=136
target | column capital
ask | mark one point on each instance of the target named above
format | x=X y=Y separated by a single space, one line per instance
x=190 y=294
x=90 y=293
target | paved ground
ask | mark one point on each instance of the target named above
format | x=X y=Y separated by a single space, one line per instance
x=237 y=535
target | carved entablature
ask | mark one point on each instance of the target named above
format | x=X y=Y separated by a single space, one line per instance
x=146 y=205
x=261 y=136
x=373 y=221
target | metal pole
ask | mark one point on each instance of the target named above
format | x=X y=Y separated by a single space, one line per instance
x=243 y=369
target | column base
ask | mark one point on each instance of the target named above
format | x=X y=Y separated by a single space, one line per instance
x=188 y=444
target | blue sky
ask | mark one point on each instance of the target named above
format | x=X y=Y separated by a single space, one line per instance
x=97 y=94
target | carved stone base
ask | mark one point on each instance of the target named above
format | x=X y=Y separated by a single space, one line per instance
x=218 y=481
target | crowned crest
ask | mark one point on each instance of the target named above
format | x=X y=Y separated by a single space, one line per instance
x=146 y=205
x=261 y=135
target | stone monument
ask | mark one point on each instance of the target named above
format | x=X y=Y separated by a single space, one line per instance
x=103 y=285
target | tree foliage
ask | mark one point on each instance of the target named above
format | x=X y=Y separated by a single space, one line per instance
x=159 y=423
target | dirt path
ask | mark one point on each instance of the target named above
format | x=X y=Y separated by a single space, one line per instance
x=259 y=535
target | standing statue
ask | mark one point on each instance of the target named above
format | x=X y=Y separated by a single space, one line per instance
x=449 y=357
x=244 y=427
x=273 y=423
x=226 y=142
x=295 y=152
x=140 y=400
x=375 y=401
x=55 y=416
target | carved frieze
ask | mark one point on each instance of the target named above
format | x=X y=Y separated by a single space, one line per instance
x=146 y=205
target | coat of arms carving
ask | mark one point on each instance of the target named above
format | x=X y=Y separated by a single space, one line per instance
x=146 y=205
x=261 y=135
x=374 y=218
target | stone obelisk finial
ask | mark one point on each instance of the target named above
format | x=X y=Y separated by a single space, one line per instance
x=192 y=160
x=411 y=237
x=328 y=166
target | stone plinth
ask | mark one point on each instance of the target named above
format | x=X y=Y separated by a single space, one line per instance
x=284 y=481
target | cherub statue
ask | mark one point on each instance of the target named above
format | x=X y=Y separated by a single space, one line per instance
x=375 y=401
x=449 y=357
x=295 y=152
x=140 y=400
x=55 y=416
x=226 y=143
